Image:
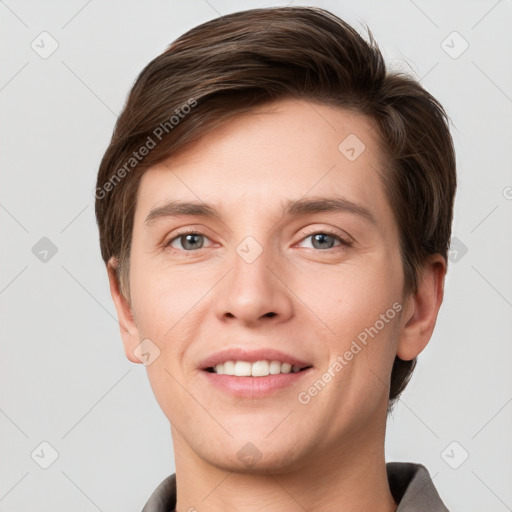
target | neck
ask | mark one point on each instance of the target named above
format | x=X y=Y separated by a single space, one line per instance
x=352 y=477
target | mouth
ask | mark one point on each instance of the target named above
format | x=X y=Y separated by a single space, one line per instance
x=262 y=368
x=253 y=373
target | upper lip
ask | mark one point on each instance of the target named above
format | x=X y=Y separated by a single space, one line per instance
x=250 y=355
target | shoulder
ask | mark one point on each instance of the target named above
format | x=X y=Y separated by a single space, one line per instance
x=412 y=488
x=410 y=484
x=163 y=498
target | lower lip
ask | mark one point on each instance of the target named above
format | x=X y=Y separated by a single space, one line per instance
x=254 y=387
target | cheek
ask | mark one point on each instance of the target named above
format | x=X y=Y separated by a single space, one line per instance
x=352 y=294
x=162 y=299
x=358 y=308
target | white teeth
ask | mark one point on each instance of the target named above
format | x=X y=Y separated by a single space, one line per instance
x=257 y=369
x=260 y=369
x=229 y=368
x=274 y=367
x=243 y=369
x=286 y=368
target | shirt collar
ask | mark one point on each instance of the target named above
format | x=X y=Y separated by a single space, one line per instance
x=410 y=484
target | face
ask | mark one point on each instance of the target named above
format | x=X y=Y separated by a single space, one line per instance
x=273 y=303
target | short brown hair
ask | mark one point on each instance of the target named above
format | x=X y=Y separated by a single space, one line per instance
x=234 y=63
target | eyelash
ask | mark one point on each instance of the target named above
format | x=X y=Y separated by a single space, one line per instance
x=343 y=243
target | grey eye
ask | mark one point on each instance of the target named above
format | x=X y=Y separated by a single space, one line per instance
x=188 y=241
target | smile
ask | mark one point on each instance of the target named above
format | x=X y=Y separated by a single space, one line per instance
x=262 y=368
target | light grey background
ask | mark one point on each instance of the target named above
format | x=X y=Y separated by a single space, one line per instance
x=63 y=374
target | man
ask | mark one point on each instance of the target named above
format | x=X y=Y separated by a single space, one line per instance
x=275 y=213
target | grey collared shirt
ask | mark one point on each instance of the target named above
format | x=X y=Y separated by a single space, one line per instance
x=410 y=484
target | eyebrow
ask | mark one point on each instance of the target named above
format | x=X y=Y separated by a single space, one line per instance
x=290 y=208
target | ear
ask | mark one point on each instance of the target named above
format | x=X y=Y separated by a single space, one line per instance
x=420 y=312
x=127 y=325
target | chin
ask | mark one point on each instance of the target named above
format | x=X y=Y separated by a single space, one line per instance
x=250 y=458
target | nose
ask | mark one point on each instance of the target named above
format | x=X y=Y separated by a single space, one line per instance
x=254 y=292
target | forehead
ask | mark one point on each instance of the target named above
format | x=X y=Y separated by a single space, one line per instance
x=281 y=151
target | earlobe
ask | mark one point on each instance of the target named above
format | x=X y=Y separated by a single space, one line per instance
x=420 y=313
x=127 y=326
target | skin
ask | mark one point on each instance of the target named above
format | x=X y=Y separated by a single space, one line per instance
x=327 y=454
